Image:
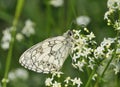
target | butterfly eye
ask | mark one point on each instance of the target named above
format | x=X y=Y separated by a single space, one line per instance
x=70 y=33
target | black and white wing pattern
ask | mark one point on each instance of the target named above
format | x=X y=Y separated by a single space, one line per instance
x=48 y=55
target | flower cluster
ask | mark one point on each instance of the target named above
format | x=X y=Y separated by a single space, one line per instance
x=112 y=15
x=83 y=20
x=6 y=38
x=27 y=30
x=83 y=49
x=56 y=3
x=52 y=82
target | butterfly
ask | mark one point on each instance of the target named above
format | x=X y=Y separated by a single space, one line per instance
x=48 y=55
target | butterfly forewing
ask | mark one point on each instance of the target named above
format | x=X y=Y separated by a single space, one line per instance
x=46 y=56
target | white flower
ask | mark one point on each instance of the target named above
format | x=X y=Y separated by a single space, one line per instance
x=109 y=53
x=5 y=45
x=28 y=28
x=19 y=36
x=113 y=4
x=99 y=52
x=107 y=42
x=117 y=25
x=76 y=81
x=18 y=74
x=48 y=81
x=116 y=69
x=94 y=76
x=6 y=38
x=108 y=13
x=116 y=64
x=83 y=20
x=118 y=51
x=91 y=65
x=56 y=84
x=91 y=36
x=56 y=3
x=58 y=74
x=12 y=76
x=80 y=65
x=67 y=80
x=21 y=73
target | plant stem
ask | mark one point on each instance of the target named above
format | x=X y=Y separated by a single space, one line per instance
x=88 y=82
x=13 y=33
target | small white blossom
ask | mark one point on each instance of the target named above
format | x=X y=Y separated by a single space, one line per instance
x=117 y=25
x=77 y=82
x=6 y=38
x=109 y=53
x=108 y=13
x=5 y=45
x=118 y=51
x=56 y=84
x=80 y=65
x=91 y=65
x=67 y=80
x=99 y=52
x=4 y=80
x=22 y=74
x=116 y=64
x=117 y=69
x=18 y=74
x=107 y=42
x=83 y=20
x=58 y=74
x=28 y=28
x=113 y=4
x=48 y=81
x=19 y=36
x=56 y=3
x=94 y=76
x=91 y=36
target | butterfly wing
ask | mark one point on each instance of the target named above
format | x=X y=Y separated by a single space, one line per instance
x=46 y=56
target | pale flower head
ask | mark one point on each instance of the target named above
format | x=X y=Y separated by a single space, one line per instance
x=28 y=29
x=5 y=45
x=76 y=81
x=58 y=74
x=83 y=20
x=113 y=4
x=6 y=38
x=67 y=80
x=56 y=84
x=94 y=76
x=56 y=3
x=48 y=81
x=18 y=74
x=19 y=36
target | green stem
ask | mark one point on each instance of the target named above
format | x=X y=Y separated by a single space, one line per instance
x=89 y=80
x=13 y=33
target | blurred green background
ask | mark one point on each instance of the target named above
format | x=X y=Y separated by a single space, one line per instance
x=49 y=21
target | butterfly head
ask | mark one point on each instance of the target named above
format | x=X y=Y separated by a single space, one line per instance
x=69 y=34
